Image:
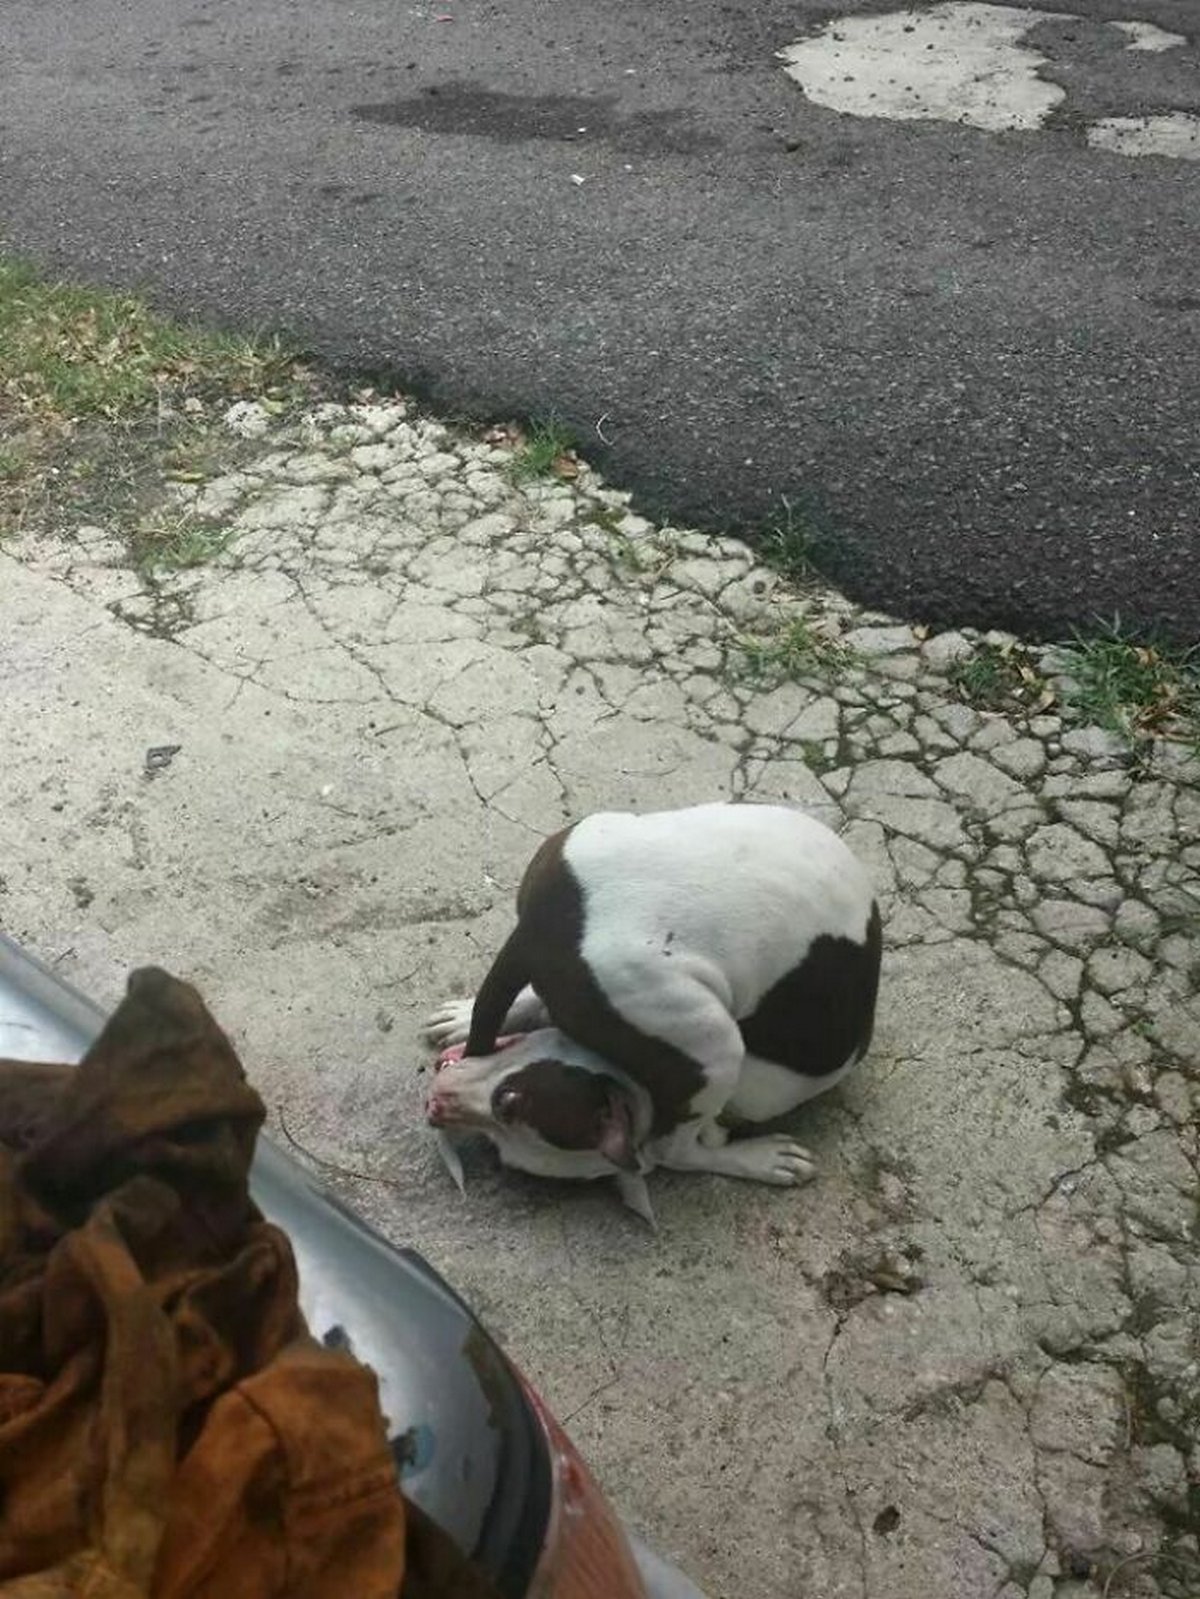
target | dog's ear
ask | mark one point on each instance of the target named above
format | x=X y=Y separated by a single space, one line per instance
x=634 y=1193
x=616 y=1132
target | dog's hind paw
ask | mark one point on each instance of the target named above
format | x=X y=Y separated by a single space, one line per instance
x=775 y=1159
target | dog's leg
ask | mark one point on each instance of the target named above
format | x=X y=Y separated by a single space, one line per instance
x=451 y=1022
x=706 y=1146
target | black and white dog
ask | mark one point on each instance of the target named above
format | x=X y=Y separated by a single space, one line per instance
x=669 y=974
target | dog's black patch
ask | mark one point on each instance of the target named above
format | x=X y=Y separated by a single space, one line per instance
x=568 y=1106
x=823 y=1010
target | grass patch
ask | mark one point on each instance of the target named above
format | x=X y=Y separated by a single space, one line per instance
x=67 y=353
x=545 y=451
x=1134 y=685
x=797 y=649
x=178 y=545
x=789 y=544
x=103 y=403
x=1001 y=678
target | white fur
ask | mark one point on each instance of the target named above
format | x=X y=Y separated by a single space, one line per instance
x=765 y=1090
x=742 y=890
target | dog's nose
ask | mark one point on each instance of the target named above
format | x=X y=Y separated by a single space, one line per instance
x=439 y=1108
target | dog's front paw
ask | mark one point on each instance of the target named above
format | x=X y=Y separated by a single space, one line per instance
x=449 y=1024
x=775 y=1159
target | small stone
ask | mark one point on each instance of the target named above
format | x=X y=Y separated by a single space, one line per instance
x=1004 y=858
x=877 y=641
x=1176 y=1098
x=893 y=778
x=838 y=781
x=438 y=465
x=1079 y=1410
x=1024 y=758
x=978 y=781
x=1135 y=922
x=1067 y=922
x=1178 y=762
x=903 y=667
x=373 y=457
x=1016 y=825
x=1021 y=948
x=932 y=737
x=773 y=713
x=1177 y=951
x=704 y=576
x=1057 y=854
x=380 y=419
x=313 y=467
x=898 y=744
x=1074 y=1493
x=960 y=721
x=1099 y=1018
x=1091 y=785
x=994 y=733
x=1140 y=1120
x=1061 y=974
x=816 y=721
x=748 y=599
x=952 y=874
x=1103 y=892
x=1094 y=743
x=1161 y=1474
x=951 y=907
x=246 y=419
x=933 y=822
x=1113 y=970
x=349 y=433
x=1099 y=1068
x=943 y=649
x=915 y=863
x=1093 y=818
x=1149 y=818
x=1025 y=892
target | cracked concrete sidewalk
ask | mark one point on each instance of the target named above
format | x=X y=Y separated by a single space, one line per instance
x=966 y=1361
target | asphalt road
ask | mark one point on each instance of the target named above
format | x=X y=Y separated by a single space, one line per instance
x=969 y=360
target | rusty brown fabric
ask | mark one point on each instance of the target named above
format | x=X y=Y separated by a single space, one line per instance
x=168 y=1427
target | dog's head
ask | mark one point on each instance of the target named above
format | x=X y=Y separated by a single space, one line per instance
x=549 y=1106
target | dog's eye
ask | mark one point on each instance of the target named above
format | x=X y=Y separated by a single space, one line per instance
x=507 y=1102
